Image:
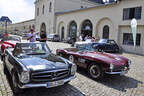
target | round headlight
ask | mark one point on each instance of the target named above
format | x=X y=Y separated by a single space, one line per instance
x=73 y=69
x=24 y=77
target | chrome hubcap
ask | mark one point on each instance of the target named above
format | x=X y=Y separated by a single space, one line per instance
x=94 y=71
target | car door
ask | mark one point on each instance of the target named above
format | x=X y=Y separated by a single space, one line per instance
x=81 y=61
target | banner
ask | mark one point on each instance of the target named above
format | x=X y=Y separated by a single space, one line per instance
x=134 y=30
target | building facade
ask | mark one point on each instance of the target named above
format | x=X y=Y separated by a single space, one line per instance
x=21 y=27
x=110 y=21
x=72 y=18
x=4 y=22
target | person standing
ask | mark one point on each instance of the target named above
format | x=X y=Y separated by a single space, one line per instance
x=32 y=36
x=43 y=36
x=2 y=49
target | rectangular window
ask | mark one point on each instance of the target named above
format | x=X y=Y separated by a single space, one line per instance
x=37 y=11
x=130 y=13
x=128 y=39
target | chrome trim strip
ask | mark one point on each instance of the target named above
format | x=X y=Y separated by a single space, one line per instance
x=44 y=84
x=121 y=73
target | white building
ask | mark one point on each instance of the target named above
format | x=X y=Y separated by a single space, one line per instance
x=70 y=18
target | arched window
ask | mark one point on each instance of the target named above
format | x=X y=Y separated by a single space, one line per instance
x=62 y=33
x=43 y=9
x=50 y=7
x=106 y=32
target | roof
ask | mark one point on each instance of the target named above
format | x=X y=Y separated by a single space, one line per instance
x=100 y=5
x=5 y=18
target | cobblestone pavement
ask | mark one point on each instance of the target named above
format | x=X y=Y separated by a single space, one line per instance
x=132 y=84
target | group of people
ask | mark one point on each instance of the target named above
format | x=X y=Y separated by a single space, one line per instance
x=87 y=38
x=32 y=36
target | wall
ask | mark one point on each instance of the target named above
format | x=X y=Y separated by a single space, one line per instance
x=111 y=15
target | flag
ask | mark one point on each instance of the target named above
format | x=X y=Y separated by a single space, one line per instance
x=134 y=30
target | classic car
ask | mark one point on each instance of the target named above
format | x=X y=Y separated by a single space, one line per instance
x=53 y=37
x=97 y=63
x=10 y=41
x=33 y=65
x=106 y=45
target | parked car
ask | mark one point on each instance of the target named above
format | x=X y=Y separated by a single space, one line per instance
x=106 y=45
x=53 y=37
x=97 y=63
x=33 y=65
x=10 y=41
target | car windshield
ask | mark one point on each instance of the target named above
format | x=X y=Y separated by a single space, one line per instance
x=84 y=47
x=50 y=36
x=102 y=41
x=56 y=35
x=33 y=48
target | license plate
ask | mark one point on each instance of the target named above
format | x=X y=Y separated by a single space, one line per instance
x=55 y=83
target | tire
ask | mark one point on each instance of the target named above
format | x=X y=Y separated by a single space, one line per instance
x=95 y=71
x=15 y=87
x=66 y=83
x=71 y=58
x=100 y=50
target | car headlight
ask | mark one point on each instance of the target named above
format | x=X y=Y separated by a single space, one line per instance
x=25 y=77
x=111 y=66
x=73 y=69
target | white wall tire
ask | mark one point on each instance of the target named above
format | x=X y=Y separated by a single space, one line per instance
x=95 y=71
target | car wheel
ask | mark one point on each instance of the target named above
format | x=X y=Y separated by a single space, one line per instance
x=15 y=86
x=66 y=83
x=71 y=58
x=100 y=50
x=117 y=50
x=95 y=71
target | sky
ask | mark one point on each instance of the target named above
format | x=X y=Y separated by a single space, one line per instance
x=17 y=10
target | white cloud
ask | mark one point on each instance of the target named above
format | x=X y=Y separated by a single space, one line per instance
x=17 y=10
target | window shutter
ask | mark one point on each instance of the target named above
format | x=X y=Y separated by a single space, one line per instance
x=138 y=12
x=126 y=13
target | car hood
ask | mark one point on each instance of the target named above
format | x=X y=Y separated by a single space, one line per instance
x=47 y=64
x=107 y=58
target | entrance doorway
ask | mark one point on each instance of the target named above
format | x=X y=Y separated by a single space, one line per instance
x=86 y=28
x=62 y=33
x=73 y=31
x=106 y=32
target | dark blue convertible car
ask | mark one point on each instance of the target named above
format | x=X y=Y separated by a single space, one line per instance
x=106 y=45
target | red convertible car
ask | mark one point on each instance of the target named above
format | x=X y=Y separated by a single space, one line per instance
x=10 y=41
x=97 y=63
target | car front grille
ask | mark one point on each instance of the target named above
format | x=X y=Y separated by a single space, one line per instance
x=49 y=75
x=120 y=68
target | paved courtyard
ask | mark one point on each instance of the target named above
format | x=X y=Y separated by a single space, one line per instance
x=132 y=84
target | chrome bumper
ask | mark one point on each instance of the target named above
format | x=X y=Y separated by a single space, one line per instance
x=44 y=84
x=121 y=73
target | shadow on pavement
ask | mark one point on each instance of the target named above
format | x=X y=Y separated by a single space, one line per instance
x=120 y=83
x=65 y=90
